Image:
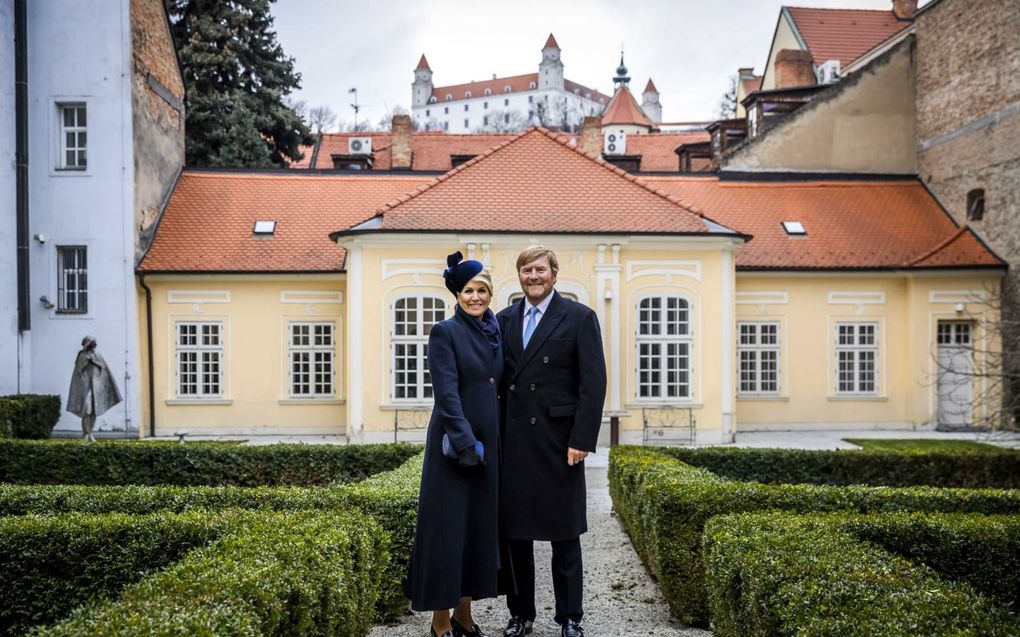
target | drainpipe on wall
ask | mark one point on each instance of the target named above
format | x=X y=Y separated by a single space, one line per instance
x=151 y=365
x=21 y=162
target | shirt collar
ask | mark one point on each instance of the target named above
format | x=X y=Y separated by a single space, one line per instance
x=542 y=307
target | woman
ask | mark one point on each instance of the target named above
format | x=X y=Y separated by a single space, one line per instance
x=456 y=542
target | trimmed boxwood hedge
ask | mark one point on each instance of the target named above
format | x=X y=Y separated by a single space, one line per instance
x=28 y=415
x=294 y=573
x=664 y=504
x=154 y=463
x=781 y=574
x=995 y=469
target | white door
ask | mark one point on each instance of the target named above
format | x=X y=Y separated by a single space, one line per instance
x=956 y=374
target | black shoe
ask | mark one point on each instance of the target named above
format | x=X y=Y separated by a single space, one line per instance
x=571 y=629
x=460 y=631
x=432 y=633
x=518 y=627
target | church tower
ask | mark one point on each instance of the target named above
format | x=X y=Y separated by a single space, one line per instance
x=421 y=88
x=550 y=70
x=650 y=103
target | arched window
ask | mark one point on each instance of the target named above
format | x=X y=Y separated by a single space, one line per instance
x=449 y=97
x=488 y=91
x=507 y=89
x=467 y=94
x=531 y=85
x=413 y=318
x=432 y=100
x=664 y=348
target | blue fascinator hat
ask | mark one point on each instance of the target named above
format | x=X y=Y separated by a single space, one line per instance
x=458 y=272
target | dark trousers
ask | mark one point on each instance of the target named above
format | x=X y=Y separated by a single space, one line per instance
x=567 y=576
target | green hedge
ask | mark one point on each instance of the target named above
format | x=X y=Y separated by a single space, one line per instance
x=664 y=505
x=28 y=415
x=996 y=469
x=780 y=574
x=152 y=463
x=296 y=573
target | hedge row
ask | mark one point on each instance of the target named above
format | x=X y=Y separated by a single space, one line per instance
x=28 y=415
x=154 y=463
x=781 y=574
x=974 y=470
x=664 y=505
x=295 y=573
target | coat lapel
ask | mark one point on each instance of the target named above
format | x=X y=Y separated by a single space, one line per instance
x=554 y=314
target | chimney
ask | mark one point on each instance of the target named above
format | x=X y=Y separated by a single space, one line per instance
x=794 y=68
x=904 y=9
x=400 y=151
x=591 y=135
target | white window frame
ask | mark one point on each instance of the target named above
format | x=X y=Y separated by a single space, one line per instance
x=311 y=357
x=752 y=351
x=208 y=359
x=659 y=338
x=412 y=344
x=854 y=347
x=79 y=131
x=72 y=279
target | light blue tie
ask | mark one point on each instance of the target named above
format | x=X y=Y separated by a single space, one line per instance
x=529 y=327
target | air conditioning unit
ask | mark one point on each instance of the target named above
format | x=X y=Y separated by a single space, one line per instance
x=615 y=143
x=828 y=72
x=359 y=146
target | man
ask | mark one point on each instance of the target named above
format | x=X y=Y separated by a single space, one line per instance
x=554 y=387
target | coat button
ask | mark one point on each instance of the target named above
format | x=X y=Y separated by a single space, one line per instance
x=492 y=381
x=532 y=386
x=545 y=359
x=513 y=387
x=533 y=420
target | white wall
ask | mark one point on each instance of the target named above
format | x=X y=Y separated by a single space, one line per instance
x=496 y=105
x=83 y=54
x=8 y=217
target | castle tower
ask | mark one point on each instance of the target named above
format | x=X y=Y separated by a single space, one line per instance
x=650 y=103
x=621 y=79
x=550 y=70
x=421 y=88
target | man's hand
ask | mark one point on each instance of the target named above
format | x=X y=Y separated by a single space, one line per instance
x=575 y=456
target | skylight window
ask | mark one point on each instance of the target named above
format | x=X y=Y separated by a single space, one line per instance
x=794 y=228
x=265 y=228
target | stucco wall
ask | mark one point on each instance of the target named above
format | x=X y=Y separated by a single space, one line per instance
x=784 y=38
x=8 y=220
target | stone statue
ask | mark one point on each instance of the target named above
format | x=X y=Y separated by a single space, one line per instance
x=93 y=389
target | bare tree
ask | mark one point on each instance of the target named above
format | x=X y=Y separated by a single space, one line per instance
x=728 y=102
x=503 y=121
x=321 y=119
x=386 y=121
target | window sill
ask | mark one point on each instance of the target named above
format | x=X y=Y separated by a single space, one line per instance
x=762 y=398
x=311 y=401
x=198 y=401
x=867 y=398
x=406 y=406
x=70 y=172
x=663 y=405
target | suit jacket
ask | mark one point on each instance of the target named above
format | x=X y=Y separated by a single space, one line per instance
x=553 y=393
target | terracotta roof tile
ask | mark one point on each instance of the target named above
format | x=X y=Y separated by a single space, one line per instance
x=658 y=150
x=844 y=34
x=422 y=64
x=624 y=109
x=650 y=87
x=550 y=43
x=517 y=84
x=208 y=222
x=751 y=84
x=850 y=224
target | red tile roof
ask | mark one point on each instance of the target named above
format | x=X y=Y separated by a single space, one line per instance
x=550 y=43
x=844 y=34
x=497 y=86
x=431 y=151
x=850 y=224
x=208 y=222
x=751 y=84
x=422 y=64
x=650 y=87
x=537 y=182
x=306 y=158
x=624 y=109
x=658 y=150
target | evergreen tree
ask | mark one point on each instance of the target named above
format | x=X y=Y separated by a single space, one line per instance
x=237 y=79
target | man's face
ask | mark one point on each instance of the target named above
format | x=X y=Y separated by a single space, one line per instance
x=537 y=279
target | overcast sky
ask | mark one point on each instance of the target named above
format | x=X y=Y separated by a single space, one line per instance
x=689 y=48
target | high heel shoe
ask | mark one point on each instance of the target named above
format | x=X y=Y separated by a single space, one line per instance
x=460 y=631
x=432 y=633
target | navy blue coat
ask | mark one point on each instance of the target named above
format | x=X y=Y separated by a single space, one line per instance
x=456 y=540
x=553 y=396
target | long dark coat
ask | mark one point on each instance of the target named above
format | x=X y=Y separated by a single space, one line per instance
x=93 y=390
x=456 y=540
x=553 y=396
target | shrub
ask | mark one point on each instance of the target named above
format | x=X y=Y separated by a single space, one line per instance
x=997 y=469
x=152 y=463
x=779 y=574
x=297 y=573
x=28 y=415
x=664 y=506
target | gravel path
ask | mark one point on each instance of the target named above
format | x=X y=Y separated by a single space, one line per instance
x=620 y=598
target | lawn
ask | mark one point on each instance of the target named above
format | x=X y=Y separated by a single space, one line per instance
x=921 y=444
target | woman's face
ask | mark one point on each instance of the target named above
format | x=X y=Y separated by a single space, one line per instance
x=474 y=298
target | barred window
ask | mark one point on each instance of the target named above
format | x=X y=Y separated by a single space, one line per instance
x=664 y=344
x=72 y=279
x=856 y=358
x=312 y=366
x=758 y=355
x=413 y=318
x=73 y=137
x=199 y=359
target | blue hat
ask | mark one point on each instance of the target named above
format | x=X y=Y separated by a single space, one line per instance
x=459 y=272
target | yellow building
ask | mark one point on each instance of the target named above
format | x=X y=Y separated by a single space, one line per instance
x=726 y=304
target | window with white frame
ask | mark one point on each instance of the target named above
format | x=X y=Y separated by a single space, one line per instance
x=199 y=359
x=73 y=137
x=413 y=318
x=72 y=279
x=856 y=358
x=664 y=348
x=758 y=356
x=312 y=364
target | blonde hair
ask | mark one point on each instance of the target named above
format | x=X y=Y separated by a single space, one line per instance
x=482 y=277
x=532 y=253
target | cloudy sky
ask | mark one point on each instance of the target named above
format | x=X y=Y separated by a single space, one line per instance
x=689 y=48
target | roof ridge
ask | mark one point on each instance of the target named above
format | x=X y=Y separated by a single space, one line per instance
x=790 y=6
x=945 y=243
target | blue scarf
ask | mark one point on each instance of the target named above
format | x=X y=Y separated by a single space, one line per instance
x=487 y=323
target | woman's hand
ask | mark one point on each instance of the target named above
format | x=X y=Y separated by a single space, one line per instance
x=473 y=456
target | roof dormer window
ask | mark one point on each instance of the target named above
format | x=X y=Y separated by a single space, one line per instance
x=488 y=91
x=794 y=228
x=432 y=100
x=449 y=97
x=531 y=85
x=264 y=228
x=507 y=89
x=467 y=94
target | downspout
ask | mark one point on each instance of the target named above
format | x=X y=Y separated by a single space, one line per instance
x=21 y=162
x=151 y=365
